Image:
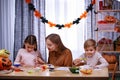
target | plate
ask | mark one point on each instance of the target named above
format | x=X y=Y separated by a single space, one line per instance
x=6 y=71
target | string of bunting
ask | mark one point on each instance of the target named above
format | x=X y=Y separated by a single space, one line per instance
x=59 y=26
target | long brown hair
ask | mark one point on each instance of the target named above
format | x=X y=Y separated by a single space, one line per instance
x=55 y=38
x=31 y=39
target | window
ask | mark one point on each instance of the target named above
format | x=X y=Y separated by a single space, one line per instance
x=62 y=12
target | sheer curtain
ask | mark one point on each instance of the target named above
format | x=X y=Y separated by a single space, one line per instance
x=26 y=23
x=7 y=16
x=65 y=11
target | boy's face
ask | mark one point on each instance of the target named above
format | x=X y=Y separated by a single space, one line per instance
x=90 y=51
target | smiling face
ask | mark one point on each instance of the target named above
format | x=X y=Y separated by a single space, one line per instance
x=90 y=47
x=51 y=46
x=90 y=51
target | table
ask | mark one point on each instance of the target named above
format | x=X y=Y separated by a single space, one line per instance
x=57 y=75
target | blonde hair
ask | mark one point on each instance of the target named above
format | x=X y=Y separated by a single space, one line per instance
x=90 y=43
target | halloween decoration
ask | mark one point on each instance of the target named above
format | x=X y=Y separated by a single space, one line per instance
x=4 y=53
x=111 y=59
x=59 y=26
x=5 y=63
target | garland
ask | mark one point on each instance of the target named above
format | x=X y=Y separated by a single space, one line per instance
x=59 y=26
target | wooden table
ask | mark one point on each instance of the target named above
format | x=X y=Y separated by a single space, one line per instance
x=57 y=75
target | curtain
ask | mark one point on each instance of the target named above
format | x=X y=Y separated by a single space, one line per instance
x=7 y=16
x=26 y=23
x=65 y=11
x=90 y=22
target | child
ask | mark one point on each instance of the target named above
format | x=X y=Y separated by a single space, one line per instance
x=29 y=55
x=91 y=56
x=59 y=55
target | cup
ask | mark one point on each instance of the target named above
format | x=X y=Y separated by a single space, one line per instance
x=16 y=64
x=51 y=67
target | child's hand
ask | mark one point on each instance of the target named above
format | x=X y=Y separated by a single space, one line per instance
x=38 y=60
x=76 y=62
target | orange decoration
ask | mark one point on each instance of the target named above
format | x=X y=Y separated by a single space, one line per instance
x=83 y=15
x=94 y=1
x=37 y=14
x=28 y=1
x=44 y=67
x=68 y=25
x=51 y=24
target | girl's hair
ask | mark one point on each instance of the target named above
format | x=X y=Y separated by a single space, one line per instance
x=31 y=39
x=55 y=38
x=90 y=43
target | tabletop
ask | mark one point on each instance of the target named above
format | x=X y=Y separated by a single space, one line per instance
x=60 y=73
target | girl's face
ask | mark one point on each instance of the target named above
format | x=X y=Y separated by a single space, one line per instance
x=51 y=46
x=90 y=51
x=29 y=47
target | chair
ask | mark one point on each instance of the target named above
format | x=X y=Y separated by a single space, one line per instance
x=115 y=69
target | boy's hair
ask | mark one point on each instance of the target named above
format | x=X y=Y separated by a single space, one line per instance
x=90 y=43
x=31 y=39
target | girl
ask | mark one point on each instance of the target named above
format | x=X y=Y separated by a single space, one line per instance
x=59 y=55
x=29 y=55
x=91 y=56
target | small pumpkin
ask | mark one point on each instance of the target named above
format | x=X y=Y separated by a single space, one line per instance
x=110 y=58
x=5 y=63
x=110 y=19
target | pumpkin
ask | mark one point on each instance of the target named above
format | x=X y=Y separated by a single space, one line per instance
x=117 y=28
x=110 y=19
x=5 y=63
x=110 y=58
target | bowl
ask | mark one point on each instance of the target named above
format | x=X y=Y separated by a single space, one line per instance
x=74 y=70
x=51 y=67
x=86 y=71
x=16 y=64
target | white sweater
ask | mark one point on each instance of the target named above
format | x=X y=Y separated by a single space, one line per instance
x=94 y=60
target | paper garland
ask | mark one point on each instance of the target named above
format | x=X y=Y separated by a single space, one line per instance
x=59 y=26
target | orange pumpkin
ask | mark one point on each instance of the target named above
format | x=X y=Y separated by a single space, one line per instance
x=110 y=19
x=5 y=63
x=110 y=58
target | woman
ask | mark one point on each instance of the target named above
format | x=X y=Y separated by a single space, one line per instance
x=59 y=55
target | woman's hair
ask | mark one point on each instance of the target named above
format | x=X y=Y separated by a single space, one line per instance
x=31 y=39
x=90 y=43
x=55 y=38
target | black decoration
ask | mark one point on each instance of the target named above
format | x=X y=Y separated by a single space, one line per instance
x=95 y=12
x=44 y=20
x=89 y=8
x=76 y=21
x=31 y=6
x=96 y=29
x=59 y=26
